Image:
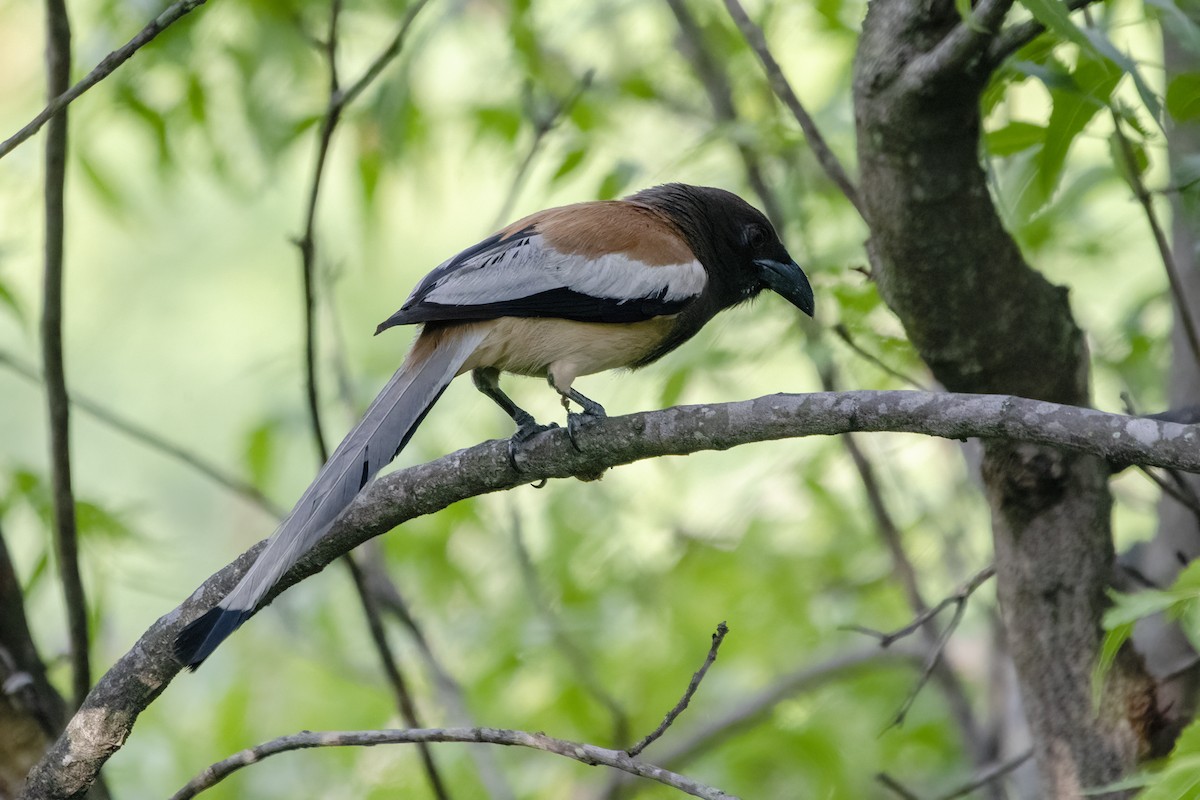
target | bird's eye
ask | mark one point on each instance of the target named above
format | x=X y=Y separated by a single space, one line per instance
x=754 y=236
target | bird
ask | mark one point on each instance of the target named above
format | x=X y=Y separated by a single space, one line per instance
x=565 y=292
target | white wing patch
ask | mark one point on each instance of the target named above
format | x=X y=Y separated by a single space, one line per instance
x=532 y=267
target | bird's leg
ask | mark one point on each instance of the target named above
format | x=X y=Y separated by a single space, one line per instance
x=576 y=422
x=487 y=380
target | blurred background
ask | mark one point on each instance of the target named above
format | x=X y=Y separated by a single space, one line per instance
x=581 y=609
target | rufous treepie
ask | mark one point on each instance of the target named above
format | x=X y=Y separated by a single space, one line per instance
x=564 y=292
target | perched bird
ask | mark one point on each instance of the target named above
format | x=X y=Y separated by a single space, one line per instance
x=564 y=292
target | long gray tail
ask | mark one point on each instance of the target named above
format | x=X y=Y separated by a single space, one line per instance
x=376 y=440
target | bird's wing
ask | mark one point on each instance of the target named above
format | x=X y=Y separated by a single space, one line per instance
x=595 y=262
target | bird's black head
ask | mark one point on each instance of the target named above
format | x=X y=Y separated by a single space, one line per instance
x=734 y=241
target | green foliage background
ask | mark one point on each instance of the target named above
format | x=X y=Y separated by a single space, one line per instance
x=189 y=171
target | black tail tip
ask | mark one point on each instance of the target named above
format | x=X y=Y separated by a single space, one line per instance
x=201 y=637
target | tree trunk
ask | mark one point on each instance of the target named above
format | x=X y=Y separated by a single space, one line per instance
x=984 y=321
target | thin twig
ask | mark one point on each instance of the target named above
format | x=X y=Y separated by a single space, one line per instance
x=307 y=246
x=1160 y=238
x=783 y=90
x=404 y=700
x=102 y=70
x=949 y=682
x=1178 y=489
x=713 y=77
x=693 y=685
x=987 y=776
x=58 y=69
x=584 y=753
x=544 y=121
x=450 y=693
x=893 y=785
x=959 y=601
x=745 y=712
x=576 y=657
x=338 y=101
x=958 y=598
x=145 y=436
x=843 y=333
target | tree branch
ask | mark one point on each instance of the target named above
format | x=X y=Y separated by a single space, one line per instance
x=742 y=714
x=1013 y=39
x=391 y=669
x=110 y=710
x=692 y=686
x=307 y=246
x=712 y=76
x=1134 y=179
x=106 y=67
x=58 y=68
x=783 y=90
x=962 y=49
x=588 y=754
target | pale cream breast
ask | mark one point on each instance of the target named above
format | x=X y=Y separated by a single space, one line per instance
x=567 y=349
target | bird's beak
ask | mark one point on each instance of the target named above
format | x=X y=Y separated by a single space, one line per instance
x=787 y=280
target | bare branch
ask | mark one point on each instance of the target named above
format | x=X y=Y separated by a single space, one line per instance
x=58 y=68
x=987 y=776
x=963 y=48
x=307 y=247
x=693 y=685
x=451 y=695
x=386 y=594
x=102 y=70
x=584 y=753
x=712 y=76
x=895 y=787
x=783 y=90
x=843 y=333
x=338 y=101
x=746 y=712
x=959 y=601
x=958 y=598
x=114 y=703
x=391 y=669
x=1134 y=178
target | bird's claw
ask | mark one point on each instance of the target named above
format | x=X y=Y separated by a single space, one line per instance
x=581 y=421
x=524 y=434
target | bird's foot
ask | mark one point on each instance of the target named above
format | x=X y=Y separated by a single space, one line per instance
x=576 y=423
x=529 y=428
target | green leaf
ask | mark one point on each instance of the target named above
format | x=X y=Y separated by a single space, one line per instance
x=1114 y=640
x=617 y=179
x=1055 y=16
x=570 y=163
x=500 y=121
x=1089 y=86
x=1117 y=152
x=9 y=300
x=1183 y=96
x=1014 y=137
x=1129 y=608
x=259 y=452
x=1185 y=174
